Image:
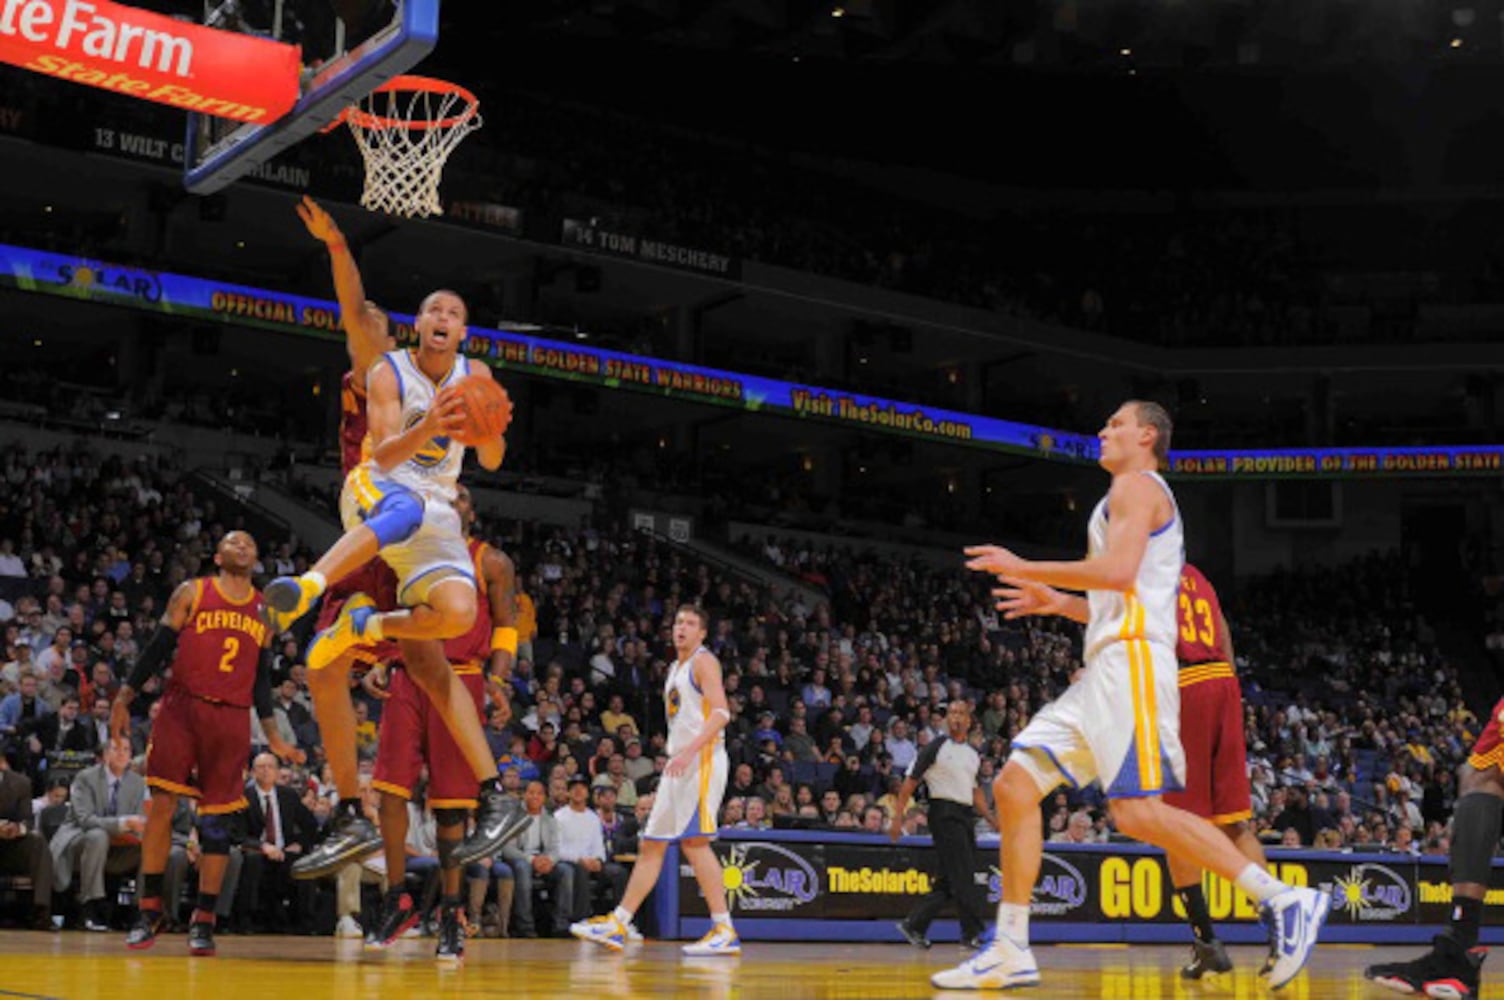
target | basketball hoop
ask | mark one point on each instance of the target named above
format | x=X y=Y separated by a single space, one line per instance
x=406 y=129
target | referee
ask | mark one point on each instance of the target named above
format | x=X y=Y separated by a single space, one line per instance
x=949 y=767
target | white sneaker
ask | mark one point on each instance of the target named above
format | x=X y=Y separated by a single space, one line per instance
x=1297 y=916
x=999 y=965
x=719 y=940
x=634 y=936
x=348 y=927
x=603 y=930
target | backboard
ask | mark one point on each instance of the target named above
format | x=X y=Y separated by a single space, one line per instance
x=335 y=75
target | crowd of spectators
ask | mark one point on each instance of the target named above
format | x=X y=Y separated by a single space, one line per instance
x=1354 y=721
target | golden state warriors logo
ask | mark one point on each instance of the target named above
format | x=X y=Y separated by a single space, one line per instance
x=673 y=702
x=434 y=450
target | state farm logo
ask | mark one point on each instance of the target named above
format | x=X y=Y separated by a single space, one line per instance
x=79 y=25
x=1061 y=887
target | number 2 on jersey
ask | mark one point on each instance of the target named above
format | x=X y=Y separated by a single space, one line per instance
x=232 y=646
x=1188 y=614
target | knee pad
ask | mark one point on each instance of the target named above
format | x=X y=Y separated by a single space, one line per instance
x=1475 y=828
x=446 y=849
x=396 y=517
x=218 y=832
x=450 y=817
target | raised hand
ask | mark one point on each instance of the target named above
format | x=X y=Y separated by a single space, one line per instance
x=321 y=225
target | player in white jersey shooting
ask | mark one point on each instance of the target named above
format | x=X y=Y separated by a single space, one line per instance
x=399 y=503
x=688 y=800
x=1120 y=723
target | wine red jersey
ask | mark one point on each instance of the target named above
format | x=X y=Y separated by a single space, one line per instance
x=1200 y=620
x=352 y=423
x=474 y=647
x=219 y=647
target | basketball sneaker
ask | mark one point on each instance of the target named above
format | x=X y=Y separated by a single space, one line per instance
x=348 y=631
x=451 y=946
x=1446 y=972
x=143 y=933
x=1297 y=915
x=499 y=820
x=290 y=597
x=721 y=939
x=998 y=965
x=634 y=936
x=1207 y=958
x=604 y=930
x=351 y=838
x=912 y=936
x=201 y=938
x=398 y=916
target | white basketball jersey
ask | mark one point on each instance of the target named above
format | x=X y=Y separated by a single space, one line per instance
x=685 y=705
x=1148 y=610
x=434 y=469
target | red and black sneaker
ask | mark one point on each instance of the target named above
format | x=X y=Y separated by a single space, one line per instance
x=201 y=938
x=1446 y=972
x=398 y=916
x=143 y=933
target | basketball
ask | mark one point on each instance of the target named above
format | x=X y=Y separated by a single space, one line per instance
x=488 y=410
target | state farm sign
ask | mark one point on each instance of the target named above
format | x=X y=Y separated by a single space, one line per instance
x=152 y=57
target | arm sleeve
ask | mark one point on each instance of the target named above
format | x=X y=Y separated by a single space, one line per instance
x=156 y=656
x=924 y=760
x=261 y=694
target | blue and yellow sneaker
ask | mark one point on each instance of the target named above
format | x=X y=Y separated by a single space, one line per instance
x=352 y=628
x=604 y=930
x=721 y=939
x=1297 y=915
x=1000 y=964
x=290 y=597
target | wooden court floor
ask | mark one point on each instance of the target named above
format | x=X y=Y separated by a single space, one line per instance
x=78 y=966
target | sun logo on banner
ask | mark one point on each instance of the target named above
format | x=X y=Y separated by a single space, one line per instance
x=736 y=875
x=1373 y=892
x=1350 y=894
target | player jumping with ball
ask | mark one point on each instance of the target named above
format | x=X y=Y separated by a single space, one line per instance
x=399 y=502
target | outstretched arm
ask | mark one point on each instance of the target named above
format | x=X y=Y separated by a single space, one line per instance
x=366 y=328
x=1133 y=506
x=1022 y=597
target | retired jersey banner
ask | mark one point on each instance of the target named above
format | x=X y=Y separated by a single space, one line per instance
x=151 y=57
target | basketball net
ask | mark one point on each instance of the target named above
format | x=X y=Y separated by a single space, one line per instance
x=406 y=130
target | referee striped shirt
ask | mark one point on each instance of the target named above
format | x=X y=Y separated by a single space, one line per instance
x=949 y=768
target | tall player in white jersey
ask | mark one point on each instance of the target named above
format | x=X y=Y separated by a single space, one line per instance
x=688 y=800
x=399 y=503
x=1120 y=722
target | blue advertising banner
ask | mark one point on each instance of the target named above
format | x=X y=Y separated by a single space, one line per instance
x=834 y=885
x=526 y=353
